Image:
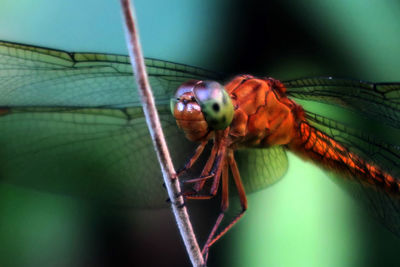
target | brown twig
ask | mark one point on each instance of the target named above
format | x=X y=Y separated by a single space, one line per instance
x=157 y=135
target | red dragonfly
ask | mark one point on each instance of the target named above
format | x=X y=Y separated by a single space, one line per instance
x=257 y=112
x=77 y=117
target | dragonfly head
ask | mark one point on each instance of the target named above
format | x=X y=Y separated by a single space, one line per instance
x=201 y=106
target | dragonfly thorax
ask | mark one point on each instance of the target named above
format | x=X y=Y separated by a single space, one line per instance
x=264 y=116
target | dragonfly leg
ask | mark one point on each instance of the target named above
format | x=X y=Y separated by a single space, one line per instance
x=200 y=181
x=215 y=161
x=243 y=202
x=193 y=158
x=224 y=207
x=207 y=168
x=216 y=173
x=220 y=162
x=218 y=152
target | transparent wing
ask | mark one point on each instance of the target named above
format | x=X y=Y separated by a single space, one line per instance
x=378 y=100
x=364 y=118
x=382 y=204
x=34 y=76
x=102 y=154
x=72 y=123
x=260 y=168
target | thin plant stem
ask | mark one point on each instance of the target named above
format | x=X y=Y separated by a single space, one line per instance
x=157 y=135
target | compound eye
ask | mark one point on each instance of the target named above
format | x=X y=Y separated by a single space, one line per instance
x=186 y=87
x=215 y=104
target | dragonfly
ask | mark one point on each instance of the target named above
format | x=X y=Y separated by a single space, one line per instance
x=72 y=123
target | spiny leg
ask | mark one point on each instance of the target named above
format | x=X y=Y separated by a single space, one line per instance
x=191 y=161
x=206 y=170
x=215 y=161
x=224 y=207
x=243 y=202
x=194 y=158
x=220 y=142
x=205 y=174
x=242 y=195
x=215 y=151
x=216 y=171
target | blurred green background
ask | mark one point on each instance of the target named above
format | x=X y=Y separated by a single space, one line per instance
x=304 y=220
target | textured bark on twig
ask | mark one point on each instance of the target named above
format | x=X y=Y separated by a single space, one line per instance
x=157 y=135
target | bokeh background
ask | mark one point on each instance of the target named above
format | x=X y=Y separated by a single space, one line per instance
x=303 y=220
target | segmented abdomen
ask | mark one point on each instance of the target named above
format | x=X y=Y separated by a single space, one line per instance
x=312 y=144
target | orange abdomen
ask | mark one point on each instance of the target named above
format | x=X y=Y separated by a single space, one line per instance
x=311 y=143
